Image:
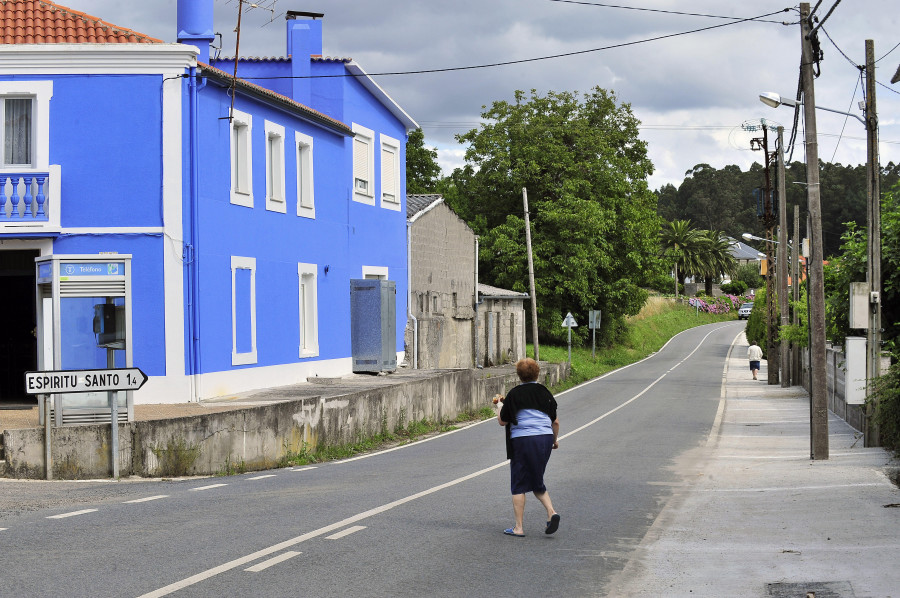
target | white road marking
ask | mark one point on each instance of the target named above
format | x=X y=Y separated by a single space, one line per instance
x=262 y=477
x=346 y=532
x=302 y=469
x=72 y=514
x=208 y=487
x=147 y=499
x=2 y=529
x=273 y=561
x=209 y=573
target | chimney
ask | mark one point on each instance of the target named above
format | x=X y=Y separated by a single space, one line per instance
x=304 y=39
x=195 y=25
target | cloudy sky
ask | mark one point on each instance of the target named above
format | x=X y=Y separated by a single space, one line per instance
x=692 y=92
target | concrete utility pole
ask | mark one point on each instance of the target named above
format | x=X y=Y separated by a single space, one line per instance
x=873 y=274
x=783 y=251
x=796 y=378
x=534 y=321
x=818 y=427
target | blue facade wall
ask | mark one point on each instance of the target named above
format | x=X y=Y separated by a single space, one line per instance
x=106 y=133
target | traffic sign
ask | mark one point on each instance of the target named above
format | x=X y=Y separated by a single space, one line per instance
x=569 y=322
x=38 y=383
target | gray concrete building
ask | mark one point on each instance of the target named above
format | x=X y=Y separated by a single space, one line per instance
x=448 y=325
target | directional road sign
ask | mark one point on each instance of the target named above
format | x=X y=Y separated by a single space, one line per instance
x=569 y=322
x=37 y=383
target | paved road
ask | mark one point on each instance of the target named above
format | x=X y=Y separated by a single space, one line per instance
x=425 y=519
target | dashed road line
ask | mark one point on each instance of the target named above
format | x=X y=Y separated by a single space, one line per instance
x=146 y=499
x=262 y=477
x=72 y=514
x=303 y=469
x=211 y=486
x=346 y=532
x=273 y=561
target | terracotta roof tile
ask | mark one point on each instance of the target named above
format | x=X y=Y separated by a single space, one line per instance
x=42 y=22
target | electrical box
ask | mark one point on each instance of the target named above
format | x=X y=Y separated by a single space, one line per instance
x=855 y=370
x=859 y=305
x=373 y=325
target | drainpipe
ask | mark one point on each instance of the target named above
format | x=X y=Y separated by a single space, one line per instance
x=193 y=278
x=409 y=300
x=477 y=303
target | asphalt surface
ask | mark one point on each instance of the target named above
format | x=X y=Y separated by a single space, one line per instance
x=677 y=476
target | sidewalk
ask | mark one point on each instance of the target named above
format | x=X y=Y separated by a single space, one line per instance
x=762 y=519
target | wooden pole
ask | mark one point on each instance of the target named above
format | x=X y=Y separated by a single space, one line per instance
x=783 y=250
x=818 y=400
x=873 y=188
x=534 y=320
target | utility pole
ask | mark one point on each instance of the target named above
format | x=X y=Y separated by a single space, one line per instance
x=796 y=379
x=818 y=427
x=873 y=274
x=767 y=215
x=783 y=250
x=534 y=320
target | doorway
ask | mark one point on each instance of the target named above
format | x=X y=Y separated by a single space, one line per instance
x=18 y=343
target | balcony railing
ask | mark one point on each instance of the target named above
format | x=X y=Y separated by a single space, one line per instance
x=23 y=197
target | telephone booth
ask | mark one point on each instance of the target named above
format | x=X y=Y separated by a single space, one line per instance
x=84 y=322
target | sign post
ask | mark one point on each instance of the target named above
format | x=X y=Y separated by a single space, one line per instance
x=570 y=323
x=593 y=324
x=110 y=380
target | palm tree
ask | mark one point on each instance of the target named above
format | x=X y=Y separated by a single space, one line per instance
x=717 y=258
x=684 y=245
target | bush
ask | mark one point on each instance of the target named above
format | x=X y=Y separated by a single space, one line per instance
x=887 y=414
x=735 y=287
x=663 y=283
x=756 y=323
x=749 y=275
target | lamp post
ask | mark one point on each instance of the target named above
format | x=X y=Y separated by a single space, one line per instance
x=873 y=217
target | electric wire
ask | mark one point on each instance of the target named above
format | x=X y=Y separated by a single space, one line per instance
x=847 y=116
x=657 y=10
x=888 y=52
x=524 y=60
x=828 y=14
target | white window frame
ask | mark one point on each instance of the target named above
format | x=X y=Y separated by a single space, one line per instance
x=275 y=201
x=40 y=93
x=389 y=145
x=367 y=136
x=243 y=263
x=241 y=161
x=306 y=201
x=375 y=272
x=308 y=309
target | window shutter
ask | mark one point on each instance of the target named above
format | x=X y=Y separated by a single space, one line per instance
x=361 y=162
x=388 y=175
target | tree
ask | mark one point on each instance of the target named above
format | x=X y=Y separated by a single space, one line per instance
x=749 y=274
x=683 y=245
x=422 y=170
x=594 y=219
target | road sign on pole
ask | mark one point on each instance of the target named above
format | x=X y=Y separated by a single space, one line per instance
x=594 y=324
x=570 y=323
x=39 y=383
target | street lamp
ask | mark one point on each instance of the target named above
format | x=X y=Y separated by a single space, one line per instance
x=773 y=100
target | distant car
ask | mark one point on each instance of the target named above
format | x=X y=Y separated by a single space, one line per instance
x=744 y=311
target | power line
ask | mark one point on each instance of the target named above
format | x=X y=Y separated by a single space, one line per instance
x=658 y=10
x=888 y=52
x=526 y=60
x=836 y=145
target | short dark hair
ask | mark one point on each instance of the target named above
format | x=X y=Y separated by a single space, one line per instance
x=527 y=370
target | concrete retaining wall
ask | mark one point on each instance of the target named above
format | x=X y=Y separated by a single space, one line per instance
x=255 y=437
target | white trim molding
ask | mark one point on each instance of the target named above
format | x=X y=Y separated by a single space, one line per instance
x=275 y=200
x=306 y=200
x=243 y=263
x=391 y=188
x=375 y=272
x=240 y=135
x=363 y=167
x=308 y=310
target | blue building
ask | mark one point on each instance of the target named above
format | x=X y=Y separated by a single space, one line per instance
x=240 y=208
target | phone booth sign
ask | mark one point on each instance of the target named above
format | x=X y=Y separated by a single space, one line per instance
x=84 y=323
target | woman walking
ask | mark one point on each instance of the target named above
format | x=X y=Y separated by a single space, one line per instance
x=532 y=431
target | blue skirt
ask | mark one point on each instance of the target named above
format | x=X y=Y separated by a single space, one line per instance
x=529 y=460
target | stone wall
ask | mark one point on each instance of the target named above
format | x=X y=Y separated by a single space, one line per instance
x=257 y=437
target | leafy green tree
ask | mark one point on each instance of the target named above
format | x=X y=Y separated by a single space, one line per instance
x=756 y=323
x=749 y=275
x=594 y=223
x=422 y=171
